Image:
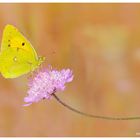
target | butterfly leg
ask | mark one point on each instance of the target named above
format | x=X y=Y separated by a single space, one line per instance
x=40 y=68
x=31 y=70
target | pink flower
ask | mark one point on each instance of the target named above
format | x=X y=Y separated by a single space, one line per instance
x=47 y=82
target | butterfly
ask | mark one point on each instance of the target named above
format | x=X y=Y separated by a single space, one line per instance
x=17 y=55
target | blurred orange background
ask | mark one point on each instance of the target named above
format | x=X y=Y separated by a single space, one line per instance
x=101 y=44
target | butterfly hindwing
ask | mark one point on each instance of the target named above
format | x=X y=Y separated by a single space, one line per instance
x=13 y=64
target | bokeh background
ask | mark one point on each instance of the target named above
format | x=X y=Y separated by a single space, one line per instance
x=101 y=44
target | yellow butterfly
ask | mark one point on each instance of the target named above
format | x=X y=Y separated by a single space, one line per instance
x=17 y=56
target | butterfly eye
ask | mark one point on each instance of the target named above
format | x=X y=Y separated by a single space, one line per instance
x=23 y=44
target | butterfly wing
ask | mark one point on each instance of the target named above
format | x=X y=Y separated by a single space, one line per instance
x=13 y=64
x=17 y=55
x=14 y=39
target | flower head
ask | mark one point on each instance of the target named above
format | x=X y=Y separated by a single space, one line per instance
x=47 y=82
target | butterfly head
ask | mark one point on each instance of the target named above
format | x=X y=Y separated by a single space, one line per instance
x=41 y=59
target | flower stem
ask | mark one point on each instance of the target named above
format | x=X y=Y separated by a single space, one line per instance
x=93 y=116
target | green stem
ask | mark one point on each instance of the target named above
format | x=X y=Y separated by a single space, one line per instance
x=93 y=116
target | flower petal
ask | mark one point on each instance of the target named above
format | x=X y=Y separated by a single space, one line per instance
x=46 y=82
